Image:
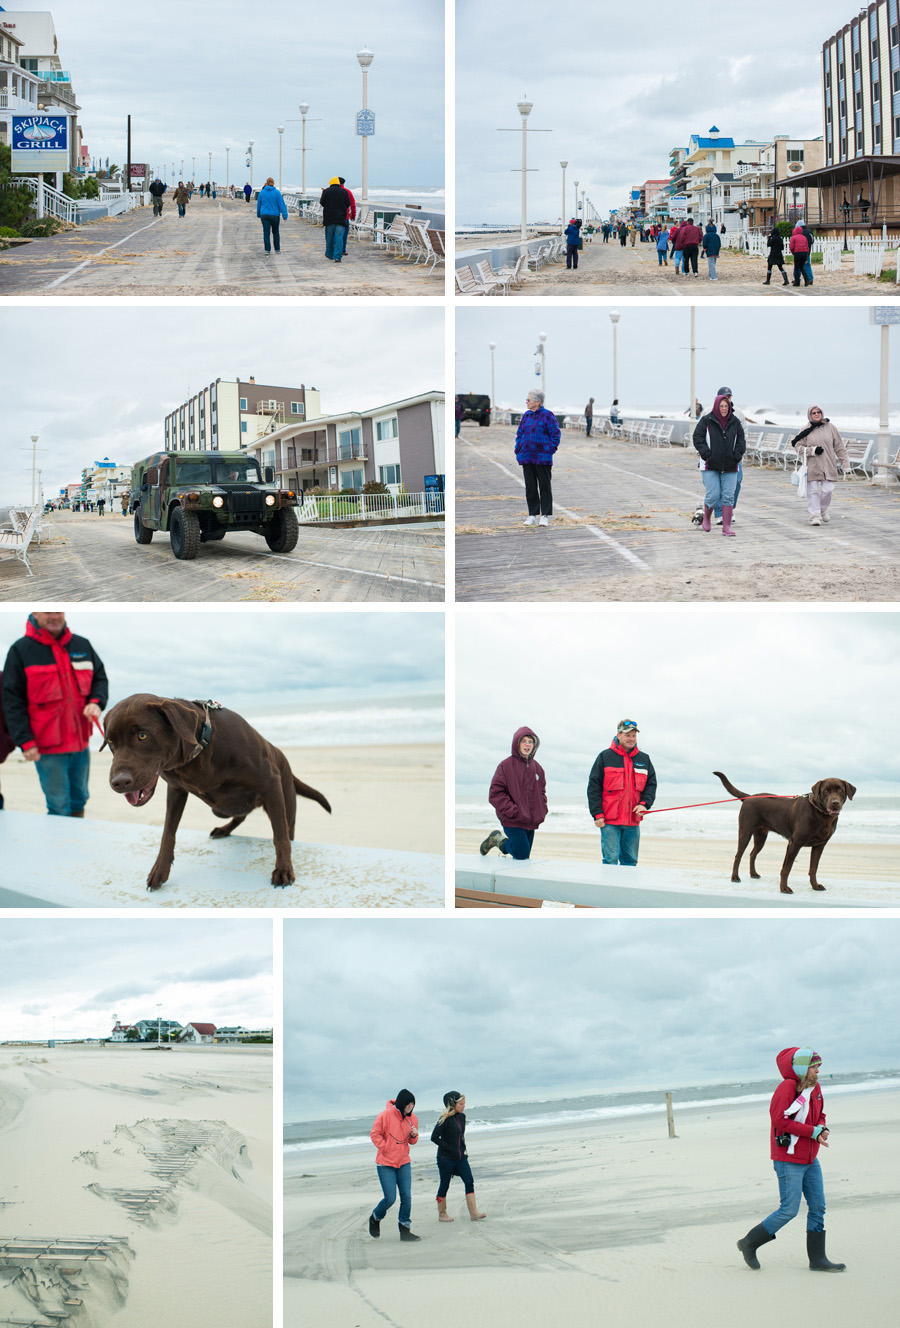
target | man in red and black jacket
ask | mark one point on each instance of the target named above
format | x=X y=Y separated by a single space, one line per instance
x=54 y=688
x=621 y=788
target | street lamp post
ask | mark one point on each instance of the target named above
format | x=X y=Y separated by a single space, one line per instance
x=614 y=319
x=34 y=443
x=576 y=200
x=280 y=146
x=365 y=58
x=542 y=351
x=227 y=167
x=209 y=176
x=250 y=150
x=493 y=346
x=524 y=109
x=194 y=169
x=304 y=107
x=562 y=218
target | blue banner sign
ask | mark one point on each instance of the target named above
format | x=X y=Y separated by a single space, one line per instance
x=365 y=123
x=40 y=142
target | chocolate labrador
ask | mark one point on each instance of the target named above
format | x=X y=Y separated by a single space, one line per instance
x=198 y=747
x=805 y=822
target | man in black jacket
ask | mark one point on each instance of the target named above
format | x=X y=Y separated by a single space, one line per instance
x=621 y=790
x=157 y=190
x=335 y=204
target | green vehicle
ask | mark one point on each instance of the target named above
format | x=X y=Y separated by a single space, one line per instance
x=198 y=497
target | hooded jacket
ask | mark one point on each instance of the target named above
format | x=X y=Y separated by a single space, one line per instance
x=822 y=434
x=47 y=682
x=711 y=242
x=798 y=242
x=806 y=1147
x=450 y=1136
x=157 y=189
x=518 y=791
x=620 y=781
x=391 y=1135
x=721 y=446
x=775 y=245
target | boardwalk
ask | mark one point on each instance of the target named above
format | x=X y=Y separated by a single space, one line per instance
x=86 y=558
x=623 y=531
x=216 y=249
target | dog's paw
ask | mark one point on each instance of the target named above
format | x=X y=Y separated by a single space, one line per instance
x=786 y=890
x=219 y=832
x=815 y=885
x=282 y=876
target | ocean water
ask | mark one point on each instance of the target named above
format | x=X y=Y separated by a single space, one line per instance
x=426 y=196
x=861 y=416
x=300 y=1137
x=863 y=821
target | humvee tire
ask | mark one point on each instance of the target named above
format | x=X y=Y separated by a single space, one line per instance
x=283 y=531
x=184 y=532
x=141 y=534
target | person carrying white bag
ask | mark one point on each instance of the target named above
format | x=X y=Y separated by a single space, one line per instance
x=822 y=449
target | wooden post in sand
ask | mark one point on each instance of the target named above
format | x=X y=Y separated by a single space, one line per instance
x=670 y=1118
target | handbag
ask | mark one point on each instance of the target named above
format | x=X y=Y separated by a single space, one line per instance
x=799 y=476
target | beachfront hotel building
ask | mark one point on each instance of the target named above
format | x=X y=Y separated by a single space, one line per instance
x=398 y=444
x=229 y=416
x=858 y=183
x=39 y=66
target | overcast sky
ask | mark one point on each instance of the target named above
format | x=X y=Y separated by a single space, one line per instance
x=510 y=1011
x=621 y=87
x=770 y=698
x=123 y=369
x=80 y=973
x=271 y=660
x=791 y=355
x=197 y=78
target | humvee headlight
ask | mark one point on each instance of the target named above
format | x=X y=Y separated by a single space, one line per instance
x=218 y=502
x=270 y=500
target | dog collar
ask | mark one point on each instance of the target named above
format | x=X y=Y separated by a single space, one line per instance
x=823 y=810
x=205 y=735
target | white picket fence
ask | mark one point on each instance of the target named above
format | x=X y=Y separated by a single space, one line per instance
x=369 y=506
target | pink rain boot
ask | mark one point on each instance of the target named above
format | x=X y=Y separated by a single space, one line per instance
x=726 y=520
x=707 y=519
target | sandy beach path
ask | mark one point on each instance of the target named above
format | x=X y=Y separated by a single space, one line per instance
x=216 y=249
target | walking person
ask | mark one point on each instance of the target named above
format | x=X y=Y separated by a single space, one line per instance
x=335 y=204
x=572 y=238
x=54 y=688
x=662 y=247
x=621 y=789
x=796 y=1133
x=351 y=216
x=799 y=247
x=157 y=192
x=677 y=252
x=824 y=448
x=537 y=439
x=248 y=190
x=182 y=197
x=775 y=245
x=719 y=438
x=518 y=795
x=589 y=416
x=690 y=237
x=270 y=208
x=452 y=1156
x=742 y=420
x=711 y=247
x=395 y=1131
x=623 y=234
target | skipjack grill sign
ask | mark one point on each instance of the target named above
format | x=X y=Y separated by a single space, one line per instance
x=40 y=133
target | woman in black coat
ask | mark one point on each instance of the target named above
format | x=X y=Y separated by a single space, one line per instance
x=776 y=256
x=452 y=1159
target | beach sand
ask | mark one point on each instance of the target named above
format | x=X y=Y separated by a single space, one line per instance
x=601 y=1223
x=840 y=860
x=79 y=1122
x=381 y=797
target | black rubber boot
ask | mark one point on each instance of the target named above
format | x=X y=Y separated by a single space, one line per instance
x=751 y=1243
x=374 y=1226
x=768 y=280
x=785 y=282
x=818 y=1260
x=406 y=1234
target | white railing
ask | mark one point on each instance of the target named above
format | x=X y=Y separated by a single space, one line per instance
x=50 y=200
x=868 y=259
x=369 y=506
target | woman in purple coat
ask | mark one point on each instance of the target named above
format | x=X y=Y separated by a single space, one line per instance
x=537 y=439
x=519 y=797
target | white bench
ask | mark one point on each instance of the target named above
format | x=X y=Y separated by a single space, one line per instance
x=17 y=539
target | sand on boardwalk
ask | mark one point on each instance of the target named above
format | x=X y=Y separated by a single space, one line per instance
x=602 y=1223
x=389 y=797
x=840 y=860
x=80 y=1122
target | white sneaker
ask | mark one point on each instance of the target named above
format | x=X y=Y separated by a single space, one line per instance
x=815 y=521
x=825 y=516
x=529 y=521
x=544 y=521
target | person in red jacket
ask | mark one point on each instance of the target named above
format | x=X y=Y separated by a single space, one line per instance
x=796 y=1134
x=689 y=240
x=621 y=789
x=799 y=247
x=393 y=1133
x=54 y=689
x=518 y=795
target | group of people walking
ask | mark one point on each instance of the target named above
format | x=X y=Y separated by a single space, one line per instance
x=395 y=1131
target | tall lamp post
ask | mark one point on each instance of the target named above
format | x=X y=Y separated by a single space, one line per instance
x=542 y=351
x=209 y=176
x=365 y=58
x=304 y=107
x=280 y=146
x=194 y=169
x=524 y=109
x=493 y=346
x=227 y=167
x=250 y=150
x=34 y=443
x=576 y=200
x=614 y=319
x=563 y=164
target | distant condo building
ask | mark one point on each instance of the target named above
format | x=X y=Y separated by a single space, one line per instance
x=228 y=416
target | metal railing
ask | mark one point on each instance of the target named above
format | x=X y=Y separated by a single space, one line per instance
x=351 y=452
x=369 y=506
x=50 y=200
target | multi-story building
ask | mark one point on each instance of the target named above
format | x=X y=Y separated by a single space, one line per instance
x=709 y=172
x=397 y=444
x=228 y=416
x=858 y=183
x=38 y=56
x=18 y=89
x=651 y=190
x=105 y=480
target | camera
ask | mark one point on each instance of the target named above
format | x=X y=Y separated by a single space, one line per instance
x=782 y=1140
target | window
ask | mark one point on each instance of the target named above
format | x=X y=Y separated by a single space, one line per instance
x=841 y=70
x=349 y=444
x=878 y=136
x=876 y=92
x=389 y=474
x=298 y=408
x=243 y=403
x=243 y=426
x=352 y=479
x=858 y=100
x=795 y=154
x=874 y=48
x=897 y=126
x=843 y=109
x=386 y=429
x=895 y=35
x=895 y=81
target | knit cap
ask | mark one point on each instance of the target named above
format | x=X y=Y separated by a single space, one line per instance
x=804 y=1057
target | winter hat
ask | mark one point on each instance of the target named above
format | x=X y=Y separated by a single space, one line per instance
x=335 y=179
x=716 y=413
x=804 y=1058
x=451 y=1098
x=403 y=1099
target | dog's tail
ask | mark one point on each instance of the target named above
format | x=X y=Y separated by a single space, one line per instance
x=736 y=792
x=307 y=791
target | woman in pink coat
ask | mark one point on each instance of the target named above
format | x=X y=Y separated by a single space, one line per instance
x=393 y=1133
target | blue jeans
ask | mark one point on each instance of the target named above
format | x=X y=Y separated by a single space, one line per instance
x=394 y=1179
x=271 y=223
x=720 y=486
x=796 y=1180
x=64 y=779
x=737 y=489
x=346 y=230
x=711 y=260
x=334 y=242
x=517 y=843
x=620 y=845
x=678 y=254
x=661 y=254
x=182 y=208
x=449 y=1167
x=807 y=269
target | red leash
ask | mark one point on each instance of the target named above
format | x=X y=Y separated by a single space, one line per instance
x=717 y=802
x=99 y=729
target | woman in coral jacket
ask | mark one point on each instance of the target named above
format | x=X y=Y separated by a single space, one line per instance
x=393 y=1133
x=797 y=1132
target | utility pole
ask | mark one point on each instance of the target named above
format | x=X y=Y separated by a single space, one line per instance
x=128 y=167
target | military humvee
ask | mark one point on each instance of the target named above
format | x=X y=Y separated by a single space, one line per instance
x=201 y=496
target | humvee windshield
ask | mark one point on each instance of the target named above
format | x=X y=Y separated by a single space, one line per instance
x=210 y=471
